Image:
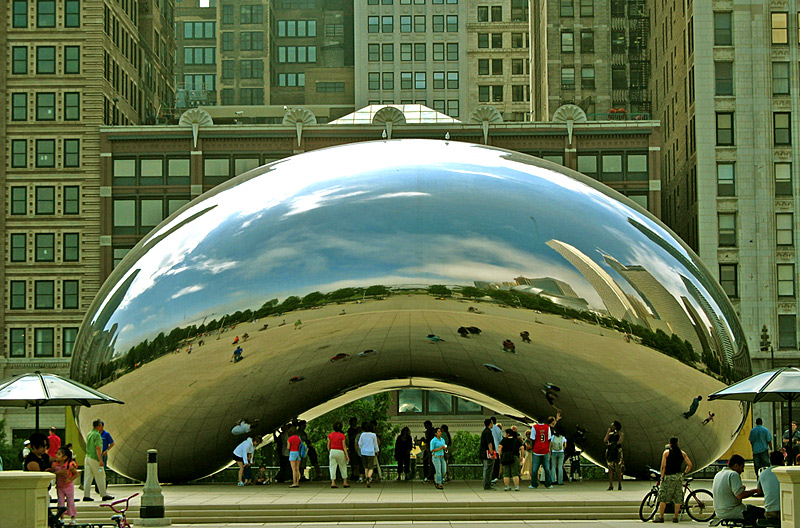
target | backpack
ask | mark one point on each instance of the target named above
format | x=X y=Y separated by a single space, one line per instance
x=303 y=450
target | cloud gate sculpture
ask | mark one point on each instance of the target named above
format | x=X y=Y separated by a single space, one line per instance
x=489 y=274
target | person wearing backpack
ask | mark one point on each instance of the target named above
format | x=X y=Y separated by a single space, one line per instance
x=557 y=445
x=614 y=460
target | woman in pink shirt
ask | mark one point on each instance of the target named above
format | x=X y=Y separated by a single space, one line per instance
x=337 y=453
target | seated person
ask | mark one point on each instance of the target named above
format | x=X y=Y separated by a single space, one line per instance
x=729 y=492
x=261 y=476
x=769 y=486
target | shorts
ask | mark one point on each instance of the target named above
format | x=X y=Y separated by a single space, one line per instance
x=512 y=469
x=368 y=461
x=294 y=455
x=671 y=489
x=237 y=458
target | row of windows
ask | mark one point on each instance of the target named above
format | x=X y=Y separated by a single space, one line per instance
x=445 y=106
x=409 y=24
x=137 y=216
x=585 y=8
x=151 y=171
x=785 y=279
x=325 y=87
x=292 y=54
x=723 y=78
x=495 y=40
x=44 y=344
x=69 y=60
x=199 y=55
x=297 y=28
x=45 y=200
x=726 y=178
x=200 y=81
x=412 y=80
x=299 y=79
x=46 y=14
x=44 y=247
x=495 y=66
x=416 y=52
x=247 y=96
x=495 y=93
x=409 y=2
x=44 y=295
x=199 y=30
x=727 y=233
x=45 y=153
x=607 y=167
x=248 y=69
x=587 y=77
x=781 y=128
x=45 y=109
x=587 y=41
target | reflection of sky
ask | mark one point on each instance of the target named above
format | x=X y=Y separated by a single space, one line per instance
x=364 y=214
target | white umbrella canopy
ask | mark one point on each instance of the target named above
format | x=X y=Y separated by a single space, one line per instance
x=43 y=389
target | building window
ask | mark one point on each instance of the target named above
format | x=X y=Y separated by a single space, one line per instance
x=70 y=294
x=419 y=51
x=783 y=179
x=251 y=40
x=452 y=51
x=780 y=78
x=566 y=8
x=405 y=24
x=452 y=80
x=330 y=87
x=518 y=40
x=45 y=247
x=17 y=295
x=252 y=69
x=452 y=107
x=723 y=24
x=44 y=345
x=387 y=52
x=567 y=42
x=587 y=41
x=19 y=248
x=785 y=280
x=587 y=164
x=151 y=212
x=45 y=106
x=483 y=40
x=204 y=30
x=44 y=295
x=72 y=153
x=438 y=24
x=374 y=52
x=228 y=41
x=20 y=14
x=45 y=60
x=45 y=200
x=784 y=229
x=71 y=248
x=297 y=54
x=519 y=93
x=726 y=179
x=228 y=69
x=517 y=66
x=727 y=229
x=19 y=65
x=19 y=107
x=19 y=200
x=387 y=24
x=587 y=8
x=228 y=96
x=787 y=331
x=72 y=200
x=728 y=279
x=420 y=82
x=497 y=40
x=723 y=78
x=387 y=80
x=406 y=81
x=19 y=154
x=438 y=51
x=483 y=13
x=568 y=78
x=251 y=14
x=419 y=23
x=619 y=78
x=724 y=128
x=374 y=81
x=227 y=17
x=782 y=128
x=72 y=13
x=16 y=341
x=405 y=52
x=72 y=106
x=45 y=152
x=45 y=13
x=68 y=337
x=780 y=28
x=452 y=23
x=199 y=55
x=438 y=80
x=587 y=77
x=497 y=13
x=72 y=59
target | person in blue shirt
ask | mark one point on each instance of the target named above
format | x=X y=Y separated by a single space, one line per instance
x=761 y=440
x=769 y=486
x=438 y=447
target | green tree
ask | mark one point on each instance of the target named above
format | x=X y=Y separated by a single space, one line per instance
x=376 y=290
x=439 y=289
x=313 y=299
x=465 y=448
x=9 y=452
x=472 y=292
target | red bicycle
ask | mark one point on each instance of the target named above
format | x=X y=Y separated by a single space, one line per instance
x=119 y=516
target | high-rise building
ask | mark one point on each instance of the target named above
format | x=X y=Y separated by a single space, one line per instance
x=591 y=53
x=67 y=69
x=197 y=54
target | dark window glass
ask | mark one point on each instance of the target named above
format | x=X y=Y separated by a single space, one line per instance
x=18 y=295
x=70 y=294
x=68 y=337
x=725 y=128
x=19 y=153
x=45 y=200
x=20 y=14
x=16 y=341
x=19 y=200
x=45 y=60
x=19 y=64
x=18 y=247
x=726 y=179
x=72 y=199
x=723 y=78
x=728 y=279
x=783 y=179
x=45 y=247
x=45 y=152
x=45 y=13
x=72 y=13
x=587 y=41
x=71 y=249
x=19 y=107
x=787 y=331
x=44 y=295
x=72 y=106
x=45 y=106
x=723 y=35
x=782 y=128
x=44 y=345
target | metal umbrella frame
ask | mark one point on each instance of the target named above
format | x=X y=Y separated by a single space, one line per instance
x=39 y=389
x=775 y=385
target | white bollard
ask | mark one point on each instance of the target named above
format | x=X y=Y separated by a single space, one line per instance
x=151 y=507
x=789 y=477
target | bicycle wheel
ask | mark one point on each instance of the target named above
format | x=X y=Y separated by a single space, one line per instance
x=699 y=504
x=648 y=507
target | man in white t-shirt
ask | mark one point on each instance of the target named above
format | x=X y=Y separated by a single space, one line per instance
x=769 y=486
x=729 y=492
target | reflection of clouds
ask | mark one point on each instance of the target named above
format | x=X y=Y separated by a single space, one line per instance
x=187 y=290
x=317 y=199
x=409 y=194
x=127 y=328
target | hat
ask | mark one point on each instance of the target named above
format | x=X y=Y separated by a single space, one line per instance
x=26 y=442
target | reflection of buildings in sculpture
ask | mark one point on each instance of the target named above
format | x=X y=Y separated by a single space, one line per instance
x=720 y=331
x=663 y=304
x=483 y=285
x=554 y=290
x=701 y=328
x=731 y=339
x=613 y=297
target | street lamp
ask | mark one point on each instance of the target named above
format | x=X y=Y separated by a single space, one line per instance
x=766 y=345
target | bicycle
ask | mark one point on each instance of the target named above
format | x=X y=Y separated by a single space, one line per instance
x=119 y=516
x=697 y=503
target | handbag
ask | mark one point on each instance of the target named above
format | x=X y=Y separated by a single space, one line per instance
x=303 y=450
x=491 y=454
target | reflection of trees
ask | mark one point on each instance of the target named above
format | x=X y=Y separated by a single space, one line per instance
x=438 y=289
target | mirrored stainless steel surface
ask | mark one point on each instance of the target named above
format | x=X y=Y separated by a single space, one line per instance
x=377 y=265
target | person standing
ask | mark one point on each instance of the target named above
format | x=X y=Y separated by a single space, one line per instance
x=770 y=488
x=693 y=407
x=66 y=471
x=369 y=447
x=54 y=442
x=356 y=471
x=295 y=459
x=23 y=455
x=791 y=447
x=671 y=489
x=438 y=448
x=402 y=453
x=282 y=450
x=448 y=453
x=427 y=464
x=614 y=459
x=94 y=468
x=542 y=433
x=728 y=492
x=511 y=458
x=108 y=443
x=497 y=434
x=36 y=459
x=337 y=454
x=557 y=445
x=243 y=455
x=487 y=453
x=761 y=441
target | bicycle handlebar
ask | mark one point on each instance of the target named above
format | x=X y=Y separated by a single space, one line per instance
x=126 y=501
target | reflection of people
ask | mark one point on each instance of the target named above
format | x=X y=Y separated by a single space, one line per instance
x=671 y=489
x=693 y=407
x=237 y=354
x=728 y=492
x=709 y=418
x=769 y=486
x=614 y=459
x=508 y=346
x=525 y=336
x=761 y=441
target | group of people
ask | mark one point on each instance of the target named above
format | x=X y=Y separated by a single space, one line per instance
x=47 y=454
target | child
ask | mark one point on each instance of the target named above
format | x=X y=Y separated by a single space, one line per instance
x=66 y=471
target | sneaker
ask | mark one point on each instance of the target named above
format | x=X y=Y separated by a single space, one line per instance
x=494 y=481
x=507 y=488
x=107 y=497
x=675 y=519
x=240 y=484
x=88 y=499
x=658 y=520
x=532 y=487
x=549 y=487
x=516 y=488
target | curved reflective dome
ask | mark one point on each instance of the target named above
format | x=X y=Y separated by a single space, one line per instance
x=399 y=263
